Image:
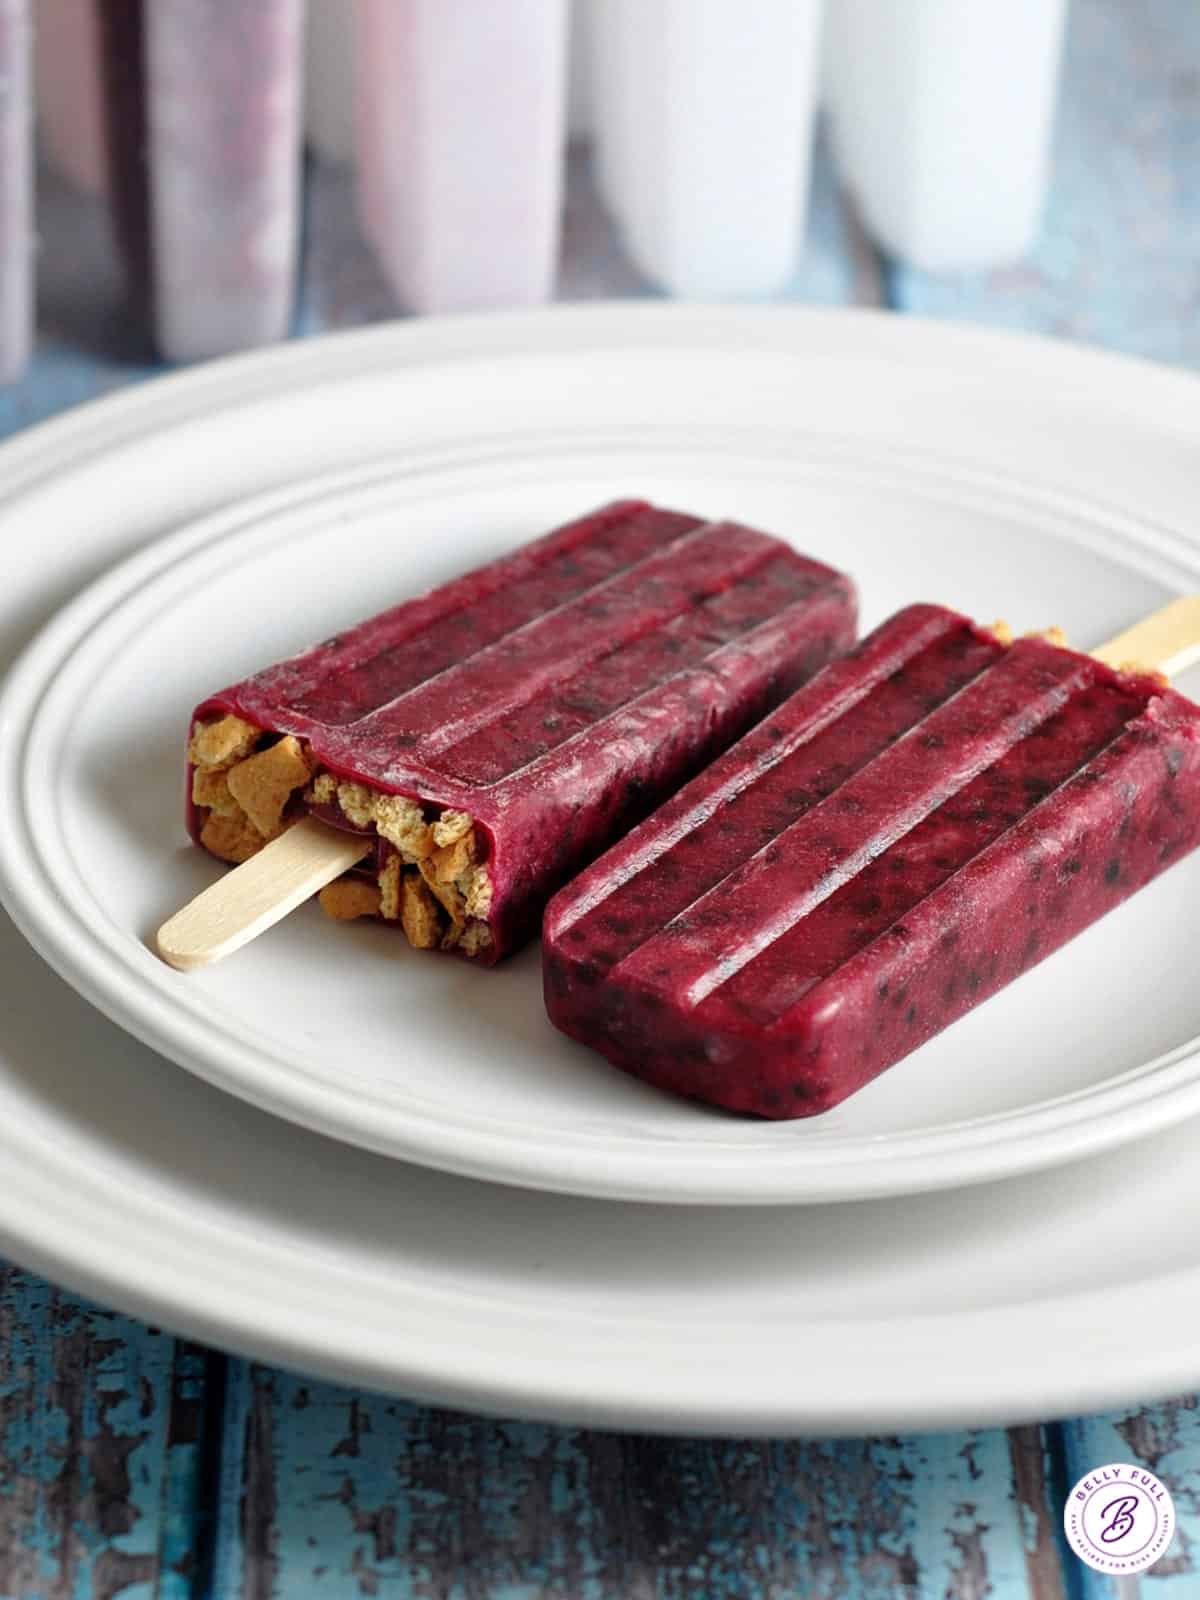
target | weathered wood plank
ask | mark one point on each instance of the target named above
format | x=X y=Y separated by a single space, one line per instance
x=1118 y=261
x=330 y=1492
x=104 y=1424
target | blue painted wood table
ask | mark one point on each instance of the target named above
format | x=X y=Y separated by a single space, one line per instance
x=135 y=1464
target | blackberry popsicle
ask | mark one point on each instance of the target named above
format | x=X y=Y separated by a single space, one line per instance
x=446 y=765
x=931 y=816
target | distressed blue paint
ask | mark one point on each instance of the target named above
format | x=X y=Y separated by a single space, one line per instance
x=195 y=1398
x=1118 y=261
x=374 y=1496
x=82 y=1441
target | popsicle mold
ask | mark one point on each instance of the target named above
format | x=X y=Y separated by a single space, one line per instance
x=461 y=122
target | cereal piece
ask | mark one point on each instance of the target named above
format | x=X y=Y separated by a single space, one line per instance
x=232 y=838
x=419 y=914
x=221 y=743
x=1001 y=631
x=478 y=890
x=454 y=861
x=389 y=888
x=357 y=803
x=263 y=784
x=347 y=898
x=448 y=894
x=323 y=790
x=476 y=938
x=451 y=826
x=402 y=822
x=210 y=789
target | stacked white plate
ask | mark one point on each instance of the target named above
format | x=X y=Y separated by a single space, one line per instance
x=390 y=1169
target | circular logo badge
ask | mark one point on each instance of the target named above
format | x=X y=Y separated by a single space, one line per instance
x=1119 y=1518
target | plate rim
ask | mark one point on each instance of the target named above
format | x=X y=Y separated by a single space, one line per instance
x=1070 y=1376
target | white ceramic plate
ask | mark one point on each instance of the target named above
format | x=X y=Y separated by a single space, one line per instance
x=931 y=463
x=147 y=1189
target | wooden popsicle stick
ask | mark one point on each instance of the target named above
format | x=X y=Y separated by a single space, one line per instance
x=258 y=893
x=1167 y=642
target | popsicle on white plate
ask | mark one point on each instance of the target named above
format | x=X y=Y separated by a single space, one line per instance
x=463 y=752
x=930 y=817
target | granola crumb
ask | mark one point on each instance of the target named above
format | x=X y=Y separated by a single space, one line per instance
x=263 y=784
x=357 y=803
x=419 y=913
x=447 y=894
x=401 y=822
x=478 y=891
x=1139 y=669
x=452 y=861
x=389 y=888
x=1054 y=636
x=451 y=826
x=221 y=743
x=347 y=898
x=210 y=788
x=323 y=790
x=248 y=795
x=476 y=938
x=234 y=839
x=1002 y=632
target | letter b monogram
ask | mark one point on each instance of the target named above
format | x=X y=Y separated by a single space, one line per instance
x=1118 y=1518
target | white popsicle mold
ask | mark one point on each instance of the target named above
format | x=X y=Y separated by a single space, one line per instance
x=579 y=68
x=223 y=114
x=70 y=110
x=704 y=115
x=942 y=112
x=329 y=79
x=613 y=28
x=16 y=188
x=462 y=119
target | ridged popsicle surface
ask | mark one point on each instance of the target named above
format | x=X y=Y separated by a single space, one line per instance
x=560 y=692
x=927 y=819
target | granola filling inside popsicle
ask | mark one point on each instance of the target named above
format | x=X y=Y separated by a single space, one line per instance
x=489 y=737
